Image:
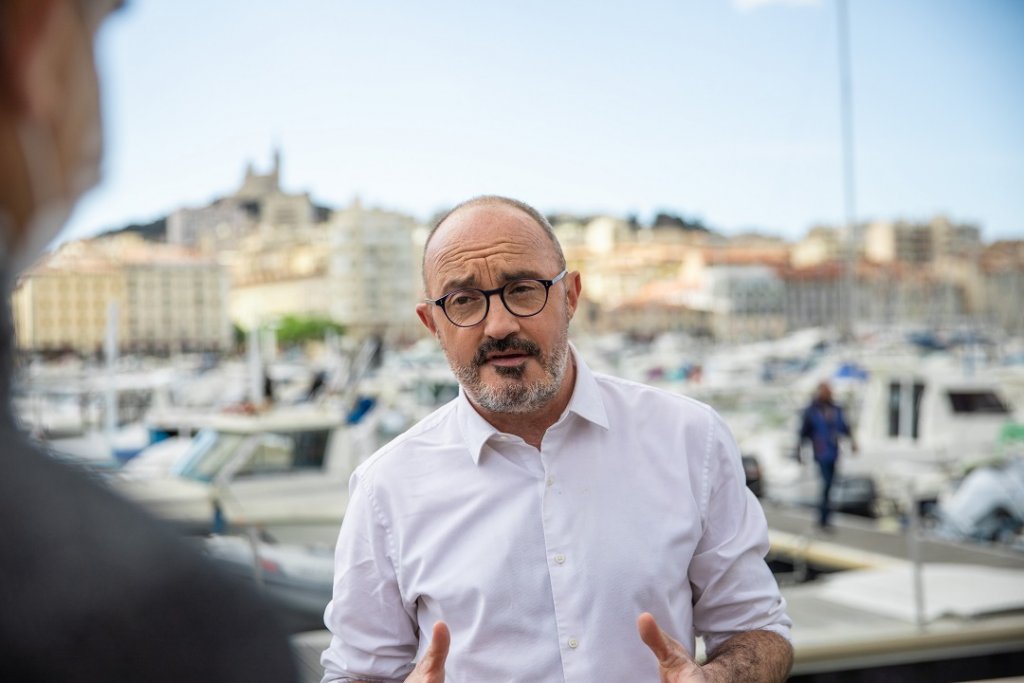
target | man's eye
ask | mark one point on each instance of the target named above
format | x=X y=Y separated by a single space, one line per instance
x=463 y=299
x=523 y=289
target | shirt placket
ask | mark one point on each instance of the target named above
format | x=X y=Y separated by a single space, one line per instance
x=563 y=567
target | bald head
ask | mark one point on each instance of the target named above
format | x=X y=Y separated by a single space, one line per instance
x=495 y=200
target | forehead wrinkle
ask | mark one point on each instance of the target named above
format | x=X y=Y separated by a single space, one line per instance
x=456 y=263
x=474 y=267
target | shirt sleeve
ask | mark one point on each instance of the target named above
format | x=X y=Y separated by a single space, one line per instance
x=733 y=588
x=374 y=634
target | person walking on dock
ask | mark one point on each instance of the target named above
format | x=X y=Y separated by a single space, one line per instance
x=823 y=424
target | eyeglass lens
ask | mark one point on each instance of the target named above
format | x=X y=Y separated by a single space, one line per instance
x=522 y=298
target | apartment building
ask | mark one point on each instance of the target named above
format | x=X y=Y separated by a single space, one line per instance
x=1002 y=272
x=890 y=295
x=821 y=245
x=911 y=242
x=61 y=304
x=168 y=299
x=374 y=278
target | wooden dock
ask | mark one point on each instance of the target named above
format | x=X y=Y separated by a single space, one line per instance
x=856 y=542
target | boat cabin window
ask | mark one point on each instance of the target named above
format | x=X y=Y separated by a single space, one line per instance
x=977 y=402
x=209 y=452
x=287 y=452
x=905 y=409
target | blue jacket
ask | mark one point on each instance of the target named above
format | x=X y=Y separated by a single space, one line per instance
x=823 y=423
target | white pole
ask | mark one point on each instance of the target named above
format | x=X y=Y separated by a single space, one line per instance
x=110 y=353
x=914 y=550
x=255 y=366
x=849 y=311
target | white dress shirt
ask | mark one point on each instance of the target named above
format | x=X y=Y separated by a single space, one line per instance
x=541 y=561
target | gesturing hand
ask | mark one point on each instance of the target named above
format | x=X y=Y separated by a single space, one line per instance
x=431 y=668
x=675 y=665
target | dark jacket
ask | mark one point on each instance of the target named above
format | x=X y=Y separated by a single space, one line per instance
x=822 y=424
x=93 y=589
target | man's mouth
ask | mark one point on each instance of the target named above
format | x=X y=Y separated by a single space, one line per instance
x=506 y=353
x=506 y=360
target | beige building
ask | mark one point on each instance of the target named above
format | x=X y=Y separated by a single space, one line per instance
x=821 y=245
x=1002 y=267
x=259 y=303
x=360 y=269
x=882 y=295
x=374 y=271
x=175 y=303
x=660 y=307
x=905 y=242
x=618 y=262
x=168 y=299
x=648 y=281
x=61 y=303
x=279 y=271
x=286 y=256
x=746 y=302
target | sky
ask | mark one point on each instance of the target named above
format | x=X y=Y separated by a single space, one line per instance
x=726 y=111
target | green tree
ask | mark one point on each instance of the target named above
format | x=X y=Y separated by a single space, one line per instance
x=293 y=330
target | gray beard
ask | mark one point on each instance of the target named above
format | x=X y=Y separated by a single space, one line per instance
x=514 y=396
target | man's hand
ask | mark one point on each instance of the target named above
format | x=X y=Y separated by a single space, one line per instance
x=675 y=665
x=431 y=668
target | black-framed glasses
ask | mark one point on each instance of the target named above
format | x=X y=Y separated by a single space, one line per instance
x=522 y=298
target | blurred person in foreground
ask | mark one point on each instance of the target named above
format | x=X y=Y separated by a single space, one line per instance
x=550 y=523
x=822 y=424
x=91 y=588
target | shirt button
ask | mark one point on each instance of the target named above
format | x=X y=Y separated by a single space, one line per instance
x=560 y=558
x=551 y=481
x=573 y=643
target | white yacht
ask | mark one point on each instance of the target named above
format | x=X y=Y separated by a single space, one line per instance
x=920 y=423
x=284 y=472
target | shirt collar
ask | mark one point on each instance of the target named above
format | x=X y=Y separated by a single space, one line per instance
x=586 y=395
x=585 y=402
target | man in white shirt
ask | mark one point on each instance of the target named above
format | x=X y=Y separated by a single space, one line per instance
x=549 y=524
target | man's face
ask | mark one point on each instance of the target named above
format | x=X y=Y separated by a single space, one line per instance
x=52 y=109
x=79 y=132
x=506 y=364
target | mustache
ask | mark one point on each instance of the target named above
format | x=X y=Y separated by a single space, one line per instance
x=523 y=346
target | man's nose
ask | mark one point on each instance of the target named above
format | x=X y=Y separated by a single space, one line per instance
x=499 y=323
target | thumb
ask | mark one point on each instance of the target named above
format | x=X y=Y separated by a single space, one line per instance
x=437 y=652
x=671 y=655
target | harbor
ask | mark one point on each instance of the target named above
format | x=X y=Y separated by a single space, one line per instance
x=896 y=586
x=502 y=343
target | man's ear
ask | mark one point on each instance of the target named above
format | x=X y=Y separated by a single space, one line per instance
x=425 y=313
x=34 y=50
x=573 y=286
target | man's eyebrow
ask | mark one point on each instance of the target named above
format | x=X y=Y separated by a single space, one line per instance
x=506 y=276
x=509 y=276
x=457 y=283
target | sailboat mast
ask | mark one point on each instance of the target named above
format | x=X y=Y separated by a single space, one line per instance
x=847 y=296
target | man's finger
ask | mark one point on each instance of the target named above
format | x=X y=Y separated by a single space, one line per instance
x=437 y=652
x=670 y=654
